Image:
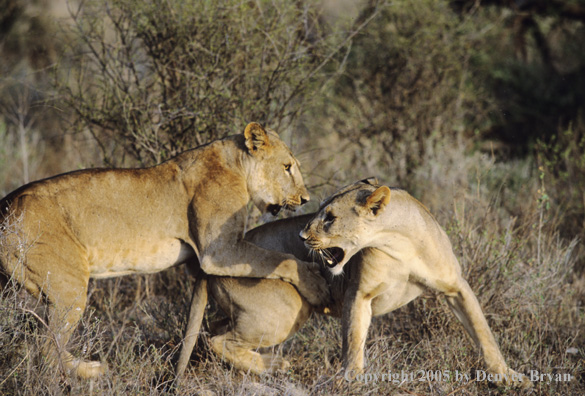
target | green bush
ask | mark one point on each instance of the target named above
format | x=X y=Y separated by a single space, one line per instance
x=531 y=65
x=562 y=167
x=407 y=87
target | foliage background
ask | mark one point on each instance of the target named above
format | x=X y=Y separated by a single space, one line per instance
x=475 y=107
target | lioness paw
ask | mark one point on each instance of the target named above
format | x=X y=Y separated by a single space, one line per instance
x=517 y=380
x=84 y=369
x=275 y=364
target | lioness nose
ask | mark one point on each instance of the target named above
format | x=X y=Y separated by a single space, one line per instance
x=303 y=235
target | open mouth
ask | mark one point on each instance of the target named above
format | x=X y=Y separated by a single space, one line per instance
x=274 y=209
x=333 y=256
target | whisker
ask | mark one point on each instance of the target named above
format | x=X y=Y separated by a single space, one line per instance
x=314 y=254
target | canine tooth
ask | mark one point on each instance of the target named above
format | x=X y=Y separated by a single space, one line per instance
x=329 y=261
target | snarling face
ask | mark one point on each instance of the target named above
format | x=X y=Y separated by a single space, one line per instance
x=343 y=225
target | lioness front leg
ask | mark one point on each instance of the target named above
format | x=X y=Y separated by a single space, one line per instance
x=465 y=306
x=194 y=320
x=355 y=321
x=256 y=262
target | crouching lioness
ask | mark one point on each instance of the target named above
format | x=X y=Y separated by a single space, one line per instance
x=57 y=233
x=391 y=248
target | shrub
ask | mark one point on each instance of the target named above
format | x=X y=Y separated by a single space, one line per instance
x=562 y=170
x=405 y=86
x=158 y=77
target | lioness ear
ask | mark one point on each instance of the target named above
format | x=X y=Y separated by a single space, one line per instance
x=256 y=137
x=378 y=200
x=370 y=180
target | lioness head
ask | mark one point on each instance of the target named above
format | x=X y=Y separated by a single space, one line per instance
x=274 y=179
x=346 y=222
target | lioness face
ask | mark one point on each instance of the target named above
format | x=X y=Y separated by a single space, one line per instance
x=275 y=181
x=345 y=223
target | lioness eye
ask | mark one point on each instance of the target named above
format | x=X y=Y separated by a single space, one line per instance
x=287 y=167
x=329 y=218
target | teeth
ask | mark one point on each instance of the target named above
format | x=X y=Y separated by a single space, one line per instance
x=329 y=261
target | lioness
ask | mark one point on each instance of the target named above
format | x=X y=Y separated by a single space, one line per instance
x=394 y=248
x=58 y=232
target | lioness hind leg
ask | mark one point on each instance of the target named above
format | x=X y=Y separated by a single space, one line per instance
x=242 y=356
x=466 y=308
x=65 y=288
x=62 y=323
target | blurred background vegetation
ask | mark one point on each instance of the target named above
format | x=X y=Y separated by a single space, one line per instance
x=474 y=106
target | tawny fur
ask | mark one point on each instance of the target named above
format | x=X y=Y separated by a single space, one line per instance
x=100 y=223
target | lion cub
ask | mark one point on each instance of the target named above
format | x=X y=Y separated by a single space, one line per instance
x=390 y=248
x=57 y=233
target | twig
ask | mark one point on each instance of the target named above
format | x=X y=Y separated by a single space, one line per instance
x=14 y=369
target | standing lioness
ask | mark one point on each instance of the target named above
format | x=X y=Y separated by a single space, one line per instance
x=57 y=233
x=389 y=250
x=415 y=252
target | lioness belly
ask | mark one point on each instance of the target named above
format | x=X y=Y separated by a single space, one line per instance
x=399 y=294
x=144 y=258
